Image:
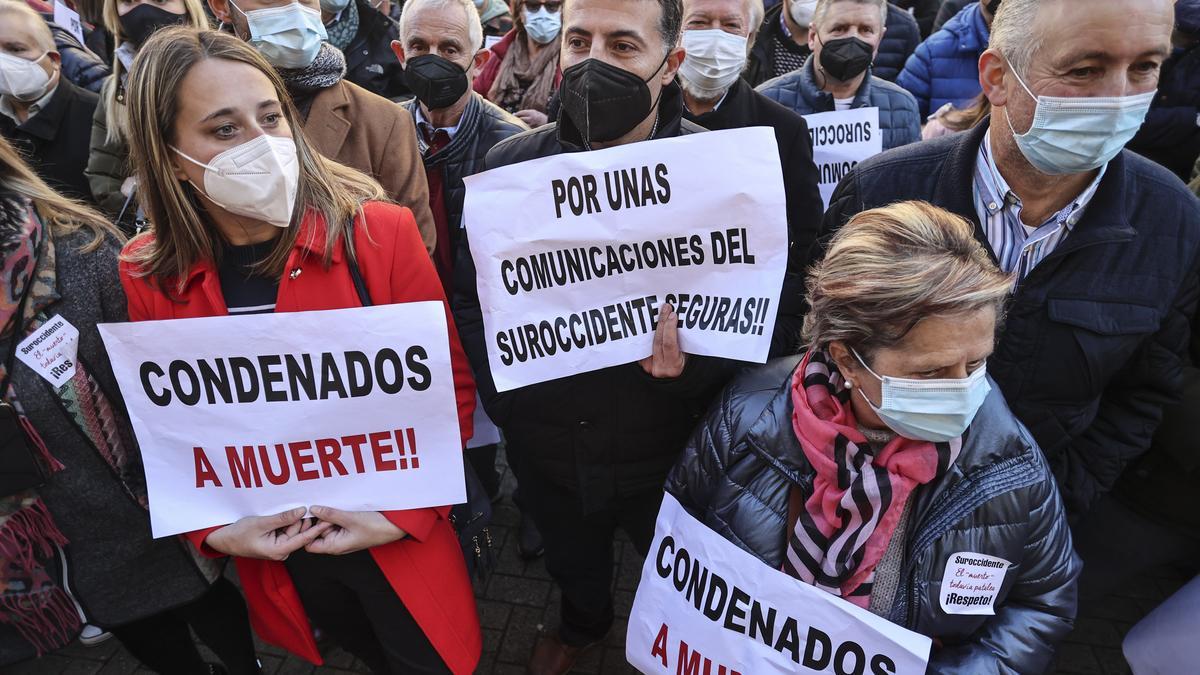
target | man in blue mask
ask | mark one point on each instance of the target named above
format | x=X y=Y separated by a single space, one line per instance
x=343 y=121
x=1103 y=245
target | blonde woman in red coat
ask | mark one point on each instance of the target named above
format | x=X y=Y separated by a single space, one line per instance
x=391 y=587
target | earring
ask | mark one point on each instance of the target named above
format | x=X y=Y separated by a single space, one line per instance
x=849 y=384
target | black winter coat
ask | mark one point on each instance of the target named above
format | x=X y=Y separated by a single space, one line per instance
x=744 y=107
x=606 y=434
x=1171 y=133
x=55 y=142
x=482 y=126
x=998 y=498
x=948 y=10
x=924 y=11
x=370 y=61
x=899 y=42
x=1097 y=334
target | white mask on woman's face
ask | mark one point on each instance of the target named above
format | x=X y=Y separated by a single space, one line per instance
x=23 y=79
x=802 y=12
x=257 y=179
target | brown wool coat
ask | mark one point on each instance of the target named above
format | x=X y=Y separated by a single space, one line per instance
x=370 y=133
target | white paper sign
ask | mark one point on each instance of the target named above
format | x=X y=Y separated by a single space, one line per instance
x=577 y=253
x=51 y=350
x=706 y=606
x=254 y=415
x=69 y=19
x=840 y=140
x=971 y=583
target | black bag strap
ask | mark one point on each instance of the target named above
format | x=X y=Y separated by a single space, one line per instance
x=18 y=321
x=364 y=296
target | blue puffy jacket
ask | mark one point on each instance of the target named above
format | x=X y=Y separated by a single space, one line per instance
x=945 y=68
x=902 y=37
x=898 y=118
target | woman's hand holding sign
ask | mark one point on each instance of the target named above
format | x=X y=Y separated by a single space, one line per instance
x=350 y=531
x=667 y=360
x=267 y=537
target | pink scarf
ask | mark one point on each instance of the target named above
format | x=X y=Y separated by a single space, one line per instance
x=852 y=507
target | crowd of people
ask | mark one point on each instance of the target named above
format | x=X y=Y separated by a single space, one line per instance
x=984 y=339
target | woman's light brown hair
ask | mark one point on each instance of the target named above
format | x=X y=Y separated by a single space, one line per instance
x=61 y=214
x=888 y=268
x=181 y=235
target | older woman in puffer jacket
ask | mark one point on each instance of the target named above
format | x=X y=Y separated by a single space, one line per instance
x=882 y=466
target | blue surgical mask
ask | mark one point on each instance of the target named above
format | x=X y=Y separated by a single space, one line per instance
x=543 y=25
x=929 y=410
x=334 y=6
x=1078 y=134
x=289 y=36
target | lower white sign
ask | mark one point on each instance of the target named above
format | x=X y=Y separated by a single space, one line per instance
x=705 y=606
x=253 y=415
x=840 y=140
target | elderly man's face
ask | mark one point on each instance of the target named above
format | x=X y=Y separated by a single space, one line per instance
x=18 y=38
x=1109 y=48
x=731 y=16
x=442 y=31
x=847 y=19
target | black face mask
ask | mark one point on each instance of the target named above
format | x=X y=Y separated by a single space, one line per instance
x=603 y=101
x=846 y=58
x=140 y=22
x=435 y=81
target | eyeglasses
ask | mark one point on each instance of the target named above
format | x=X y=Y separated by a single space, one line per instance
x=553 y=6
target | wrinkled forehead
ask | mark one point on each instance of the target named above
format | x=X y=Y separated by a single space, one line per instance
x=1067 y=33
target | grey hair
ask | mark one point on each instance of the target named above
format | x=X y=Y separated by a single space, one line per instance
x=824 y=5
x=474 y=25
x=41 y=31
x=756 y=15
x=1015 y=34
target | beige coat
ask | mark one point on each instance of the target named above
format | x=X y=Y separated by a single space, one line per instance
x=370 y=133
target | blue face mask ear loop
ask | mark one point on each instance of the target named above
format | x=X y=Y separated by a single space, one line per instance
x=873 y=374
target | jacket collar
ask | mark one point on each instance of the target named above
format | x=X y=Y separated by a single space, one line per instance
x=310 y=240
x=820 y=100
x=328 y=117
x=735 y=111
x=46 y=123
x=969 y=29
x=463 y=138
x=670 y=120
x=1105 y=220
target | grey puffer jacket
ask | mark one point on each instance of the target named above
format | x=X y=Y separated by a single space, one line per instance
x=998 y=499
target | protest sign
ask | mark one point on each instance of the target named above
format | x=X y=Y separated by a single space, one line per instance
x=706 y=607
x=253 y=415
x=69 y=19
x=577 y=253
x=840 y=140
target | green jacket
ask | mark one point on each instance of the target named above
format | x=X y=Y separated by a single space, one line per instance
x=107 y=166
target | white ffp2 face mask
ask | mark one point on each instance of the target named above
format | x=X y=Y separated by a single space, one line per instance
x=929 y=410
x=714 y=59
x=23 y=79
x=802 y=12
x=257 y=179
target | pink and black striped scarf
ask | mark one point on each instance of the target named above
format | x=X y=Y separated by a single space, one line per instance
x=851 y=509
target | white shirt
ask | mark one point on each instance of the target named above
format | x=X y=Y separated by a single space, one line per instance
x=843 y=103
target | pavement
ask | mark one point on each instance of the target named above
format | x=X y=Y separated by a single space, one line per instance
x=519 y=599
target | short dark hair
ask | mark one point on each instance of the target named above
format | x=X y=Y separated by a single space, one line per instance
x=671 y=22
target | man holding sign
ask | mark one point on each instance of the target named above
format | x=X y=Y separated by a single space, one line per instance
x=595 y=446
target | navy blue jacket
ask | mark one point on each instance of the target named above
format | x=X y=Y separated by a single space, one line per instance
x=79 y=64
x=898 y=117
x=902 y=37
x=945 y=68
x=1170 y=134
x=1097 y=334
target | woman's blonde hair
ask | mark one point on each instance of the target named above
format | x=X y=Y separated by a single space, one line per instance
x=115 y=116
x=62 y=215
x=180 y=236
x=888 y=268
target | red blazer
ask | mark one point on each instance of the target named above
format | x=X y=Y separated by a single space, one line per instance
x=426 y=568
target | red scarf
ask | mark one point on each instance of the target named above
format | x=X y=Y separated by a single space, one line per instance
x=852 y=507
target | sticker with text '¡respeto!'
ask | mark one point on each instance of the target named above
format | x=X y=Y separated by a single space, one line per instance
x=971 y=583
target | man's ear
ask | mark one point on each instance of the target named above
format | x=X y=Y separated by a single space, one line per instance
x=674 y=60
x=398 y=50
x=220 y=9
x=992 y=69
